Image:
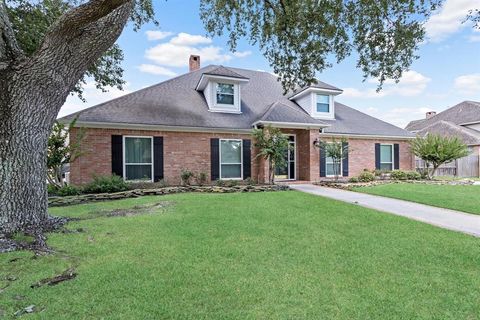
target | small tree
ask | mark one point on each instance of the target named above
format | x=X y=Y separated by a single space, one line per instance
x=272 y=145
x=337 y=150
x=61 y=152
x=436 y=150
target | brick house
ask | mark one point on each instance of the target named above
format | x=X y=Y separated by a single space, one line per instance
x=202 y=121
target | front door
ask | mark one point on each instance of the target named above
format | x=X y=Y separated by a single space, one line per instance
x=287 y=171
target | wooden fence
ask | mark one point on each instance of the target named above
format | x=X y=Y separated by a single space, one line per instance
x=467 y=167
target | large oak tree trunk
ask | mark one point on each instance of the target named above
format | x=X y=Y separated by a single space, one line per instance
x=32 y=91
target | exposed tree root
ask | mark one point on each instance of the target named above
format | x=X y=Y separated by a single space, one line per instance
x=68 y=274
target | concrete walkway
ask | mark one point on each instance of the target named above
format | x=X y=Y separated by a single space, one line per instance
x=444 y=218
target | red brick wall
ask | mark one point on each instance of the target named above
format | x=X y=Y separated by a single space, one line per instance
x=182 y=150
x=191 y=150
x=362 y=154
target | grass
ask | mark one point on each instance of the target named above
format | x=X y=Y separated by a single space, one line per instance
x=457 y=197
x=282 y=255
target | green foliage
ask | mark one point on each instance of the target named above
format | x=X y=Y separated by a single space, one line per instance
x=61 y=150
x=353 y=180
x=398 y=175
x=272 y=145
x=436 y=150
x=413 y=175
x=31 y=20
x=148 y=185
x=69 y=190
x=106 y=184
x=249 y=181
x=337 y=150
x=366 y=176
x=201 y=178
x=300 y=38
x=52 y=189
x=220 y=183
x=232 y=183
x=186 y=177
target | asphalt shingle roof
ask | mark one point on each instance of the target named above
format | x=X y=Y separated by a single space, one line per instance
x=449 y=129
x=464 y=112
x=175 y=102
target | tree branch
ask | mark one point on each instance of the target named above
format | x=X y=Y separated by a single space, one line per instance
x=9 y=49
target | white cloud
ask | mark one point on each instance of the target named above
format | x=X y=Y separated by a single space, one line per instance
x=157 y=35
x=449 y=19
x=185 y=39
x=468 y=84
x=93 y=96
x=411 y=84
x=242 y=54
x=399 y=116
x=157 y=70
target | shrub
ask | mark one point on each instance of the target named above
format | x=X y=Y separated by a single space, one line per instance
x=148 y=185
x=220 y=183
x=69 y=190
x=232 y=183
x=104 y=184
x=353 y=180
x=366 y=176
x=249 y=182
x=52 y=190
x=201 y=178
x=398 y=175
x=186 y=176
x=413 y=175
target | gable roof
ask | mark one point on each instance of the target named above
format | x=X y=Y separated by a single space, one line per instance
x=464 y=112
x=450 y=129
x=176 y=103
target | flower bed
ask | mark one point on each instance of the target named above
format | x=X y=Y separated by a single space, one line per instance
x=350 y=185
x=65 y=201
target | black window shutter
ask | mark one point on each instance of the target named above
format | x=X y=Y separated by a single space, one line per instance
x=157 y=158
x=323 y=163
x=345 y=160
x=214 y=159
x=117 y=155
x=247 y=159
x=377 y=156
x=396 y=156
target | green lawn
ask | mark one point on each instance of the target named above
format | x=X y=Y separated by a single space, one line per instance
x=457 y=197
x=282 y=255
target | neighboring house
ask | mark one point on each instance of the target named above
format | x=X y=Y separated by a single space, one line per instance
x=462 y=121
x=203 y=120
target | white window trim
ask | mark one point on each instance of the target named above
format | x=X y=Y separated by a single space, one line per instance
x=132 y=164
x=331 y=107
x=220 y=159
x=341 y=166
x=227 y=108
x=393 y=155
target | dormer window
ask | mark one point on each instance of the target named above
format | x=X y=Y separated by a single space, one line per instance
x=221 y=88
x=225 y=94
x=323 y=103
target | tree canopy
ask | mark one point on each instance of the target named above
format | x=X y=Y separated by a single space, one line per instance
x=300 y=38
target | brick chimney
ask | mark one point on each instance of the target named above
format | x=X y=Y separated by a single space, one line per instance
x=194 y=62
x=430 y=114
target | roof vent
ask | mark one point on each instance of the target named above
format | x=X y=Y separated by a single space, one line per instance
x=430 y=114
x=194 y=62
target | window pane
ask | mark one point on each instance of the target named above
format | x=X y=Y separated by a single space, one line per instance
x=231 y=151
x=225 y=88
x=331 y=167
x=224 y=99
x=386 y=166
x=231 y=171
x=138 y=172
x=323 y=103
x=138 y=150
x=225 y=93
x=385 y=153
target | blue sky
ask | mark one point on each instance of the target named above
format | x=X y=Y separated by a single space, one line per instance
x=447 y=72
